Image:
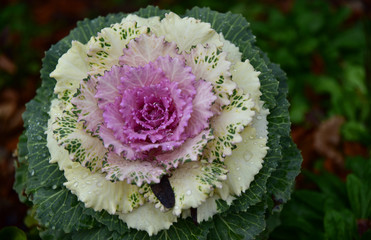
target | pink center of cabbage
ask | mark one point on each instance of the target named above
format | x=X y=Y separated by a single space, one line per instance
x=152 y=108
x=148 y=113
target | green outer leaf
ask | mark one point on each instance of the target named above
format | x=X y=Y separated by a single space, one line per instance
x=242 y=225
x=98 y=233
x=55 y=234
x=21 y=169
x=113 y=223
x=183 y=229
x=60 y=210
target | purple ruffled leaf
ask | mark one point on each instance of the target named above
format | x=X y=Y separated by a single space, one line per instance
x=190 y=150
x=148 y=112
x=115 y=145
x=134 y=77
x=201 y=108
x=87 y=106
x=176 y=71
x=145 y=49
x=138 y=172
x=107 y=90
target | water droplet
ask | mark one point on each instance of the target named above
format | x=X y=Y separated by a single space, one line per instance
x=238 y=169
x=239 y=179
x=88 y=183
x=189 y=192
x=261 y=145
x=32 y=172
x=251 y=137
x=247 y=155
x=54 y=186
x=39 y=137
x=99 y=184
x=259 y=117
x=176 y=207
x=53 y=227
x=76 y=184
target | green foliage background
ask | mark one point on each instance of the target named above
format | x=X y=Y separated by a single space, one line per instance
x=325 y=50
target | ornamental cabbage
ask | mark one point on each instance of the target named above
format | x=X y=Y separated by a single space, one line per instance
x=151 y=123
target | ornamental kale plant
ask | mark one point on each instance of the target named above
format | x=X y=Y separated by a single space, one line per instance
x=158 y=126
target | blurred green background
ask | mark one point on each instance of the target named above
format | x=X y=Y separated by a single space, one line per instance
x=323 y=46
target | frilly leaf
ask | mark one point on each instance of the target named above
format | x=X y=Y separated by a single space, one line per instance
x=105 y=49
x=149 y=218
x=147 y=48
x=190 y=150
x=74 y=61
x=186 y=33
x=136 y=171
x=87 y=108
x=228 y=125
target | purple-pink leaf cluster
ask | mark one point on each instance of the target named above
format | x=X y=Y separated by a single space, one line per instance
x=149 y=108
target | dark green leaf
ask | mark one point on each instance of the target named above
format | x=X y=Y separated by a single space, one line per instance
x=12 y=233
x=359 y=197
x=21 y=169
x=340 y=225
x=242 y=225
x=183 y=229
x=329 y=184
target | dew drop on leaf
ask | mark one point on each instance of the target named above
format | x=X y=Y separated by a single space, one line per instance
x=247 y=155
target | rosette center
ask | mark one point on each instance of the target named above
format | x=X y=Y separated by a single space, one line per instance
x=151 y=108
x=149 y=113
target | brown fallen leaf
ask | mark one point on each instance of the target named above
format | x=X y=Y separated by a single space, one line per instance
x=327 y=142
x=7 y=65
